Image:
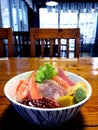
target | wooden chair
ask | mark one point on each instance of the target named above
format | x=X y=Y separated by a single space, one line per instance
x=21 y=43
x=6 y=42
x=50 y=39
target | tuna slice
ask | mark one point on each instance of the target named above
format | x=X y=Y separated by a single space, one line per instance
x=63 y=76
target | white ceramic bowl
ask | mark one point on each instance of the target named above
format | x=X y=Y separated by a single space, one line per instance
x=42 y=116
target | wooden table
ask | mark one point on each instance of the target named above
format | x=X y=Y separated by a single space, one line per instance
x=87 y=117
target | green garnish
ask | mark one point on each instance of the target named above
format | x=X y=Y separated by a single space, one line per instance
x=47 y=71
x=80 y=94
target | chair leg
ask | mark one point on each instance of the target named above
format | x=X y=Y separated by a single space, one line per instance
x=1 y=49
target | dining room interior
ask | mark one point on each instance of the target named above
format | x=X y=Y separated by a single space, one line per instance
x=21 y=22
x=21 y=15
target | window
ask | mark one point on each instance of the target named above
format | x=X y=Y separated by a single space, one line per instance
x=48 y=19
x=68 y=20
x=85 y=21
x=5 y=16
x=87 y=24
x=14 y=14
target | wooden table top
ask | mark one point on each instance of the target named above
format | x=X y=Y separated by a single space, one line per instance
x=85 y=119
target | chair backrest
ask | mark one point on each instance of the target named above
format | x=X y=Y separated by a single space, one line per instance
x=6 y=42
x=50 y=39
x=21 y=43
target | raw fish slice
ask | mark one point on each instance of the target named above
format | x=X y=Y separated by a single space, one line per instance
x=61 y=82
x=51 y=90
x=34 y=92
x=63 y=76
x=27 y=89
x=22 y=90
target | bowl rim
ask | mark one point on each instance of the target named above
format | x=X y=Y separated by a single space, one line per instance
x=47 y=109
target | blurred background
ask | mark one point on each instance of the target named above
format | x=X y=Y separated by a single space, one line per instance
x=23 y=14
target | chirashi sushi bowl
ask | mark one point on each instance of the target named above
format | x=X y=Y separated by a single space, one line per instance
x=48 y=96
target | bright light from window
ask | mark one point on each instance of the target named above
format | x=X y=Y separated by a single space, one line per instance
x=95 y=64
x=48 y=19
x=86 y=22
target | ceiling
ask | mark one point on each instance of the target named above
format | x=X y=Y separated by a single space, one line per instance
x=41 y=3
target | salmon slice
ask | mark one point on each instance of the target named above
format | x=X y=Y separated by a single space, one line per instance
x=60 y=81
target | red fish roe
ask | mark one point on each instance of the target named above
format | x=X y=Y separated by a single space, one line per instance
x=41 y=103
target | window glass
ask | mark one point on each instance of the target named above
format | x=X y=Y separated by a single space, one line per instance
x=14 y=14
x=23 y=16
x=48 y=19
x=5 y=13
x=85 y=21
x=68 y=20
x=87 y=24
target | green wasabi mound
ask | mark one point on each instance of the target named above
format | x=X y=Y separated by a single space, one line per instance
x=80 y=94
